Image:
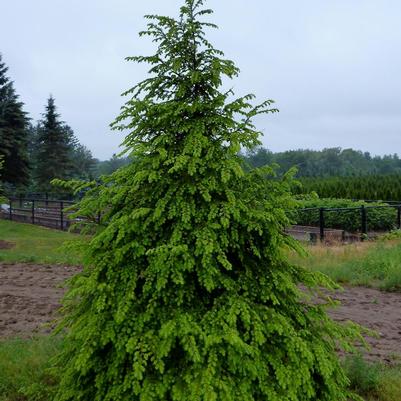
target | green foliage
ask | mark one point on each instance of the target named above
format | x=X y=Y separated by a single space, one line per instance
x=56 y=152
x=83 y=165
x=107 y=167
x=186 y=293
x=26 y=369
x=13 y=133
x=53 y=157
x=378 y=219
x=329 y=162
x=392 y=235
x=374 y=187
x=2 y=198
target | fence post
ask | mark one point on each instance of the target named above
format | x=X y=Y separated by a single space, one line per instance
x=62 y=215
x=364 y=221
x=33 y=211
x=399 y=217
x=20 y=200
x=11 y=210
x=321 y=223
x=47 y=199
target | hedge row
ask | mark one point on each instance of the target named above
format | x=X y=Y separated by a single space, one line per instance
x=378 y=219
x=373 y=187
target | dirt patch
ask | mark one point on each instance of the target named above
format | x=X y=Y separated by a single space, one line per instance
x=30 y=296
x=6 y=244
x=376 y=310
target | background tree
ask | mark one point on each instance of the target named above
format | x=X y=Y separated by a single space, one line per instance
x=186 y=294
x=110 y=166
x=2 y=197
x=13 y=133
x=54 y=148
x=83 y=162
x=330 y=162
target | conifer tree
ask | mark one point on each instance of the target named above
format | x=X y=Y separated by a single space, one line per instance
x=186 y=294
x=2 y=198
x=53 y=148
x=13 y=132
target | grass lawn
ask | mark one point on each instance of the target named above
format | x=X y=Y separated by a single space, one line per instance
x=26 y=369
x=374 y=381
x=35 y=244
x=372 y=264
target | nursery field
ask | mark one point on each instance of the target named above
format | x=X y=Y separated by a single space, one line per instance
x=30 y=295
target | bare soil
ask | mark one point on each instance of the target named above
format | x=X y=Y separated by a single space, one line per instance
x=6 y=244
x=30 y=296
x=377 y=310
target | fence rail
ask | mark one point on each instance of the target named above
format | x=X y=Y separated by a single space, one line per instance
x=363 y=211
x=45 y=212
x=57 y=214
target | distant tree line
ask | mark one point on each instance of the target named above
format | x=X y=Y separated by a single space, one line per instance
x=329 y=162
x=34 y=154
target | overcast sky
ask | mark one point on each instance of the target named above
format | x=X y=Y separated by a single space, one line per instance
x=333 y=67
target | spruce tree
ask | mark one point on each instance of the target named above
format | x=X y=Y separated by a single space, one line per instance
x=53 y=149
x=186 y=293
x=13 y=133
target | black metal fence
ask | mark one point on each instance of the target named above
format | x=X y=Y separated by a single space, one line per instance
x=320 y=223
x=361 y=220
x=44 y=212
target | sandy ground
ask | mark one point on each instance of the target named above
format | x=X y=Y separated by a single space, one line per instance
x=376 y=310
x=30 y=295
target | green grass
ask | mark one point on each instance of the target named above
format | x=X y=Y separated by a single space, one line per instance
x=374 y=381
x=26 y=372
x=373 y=264
x=34 y=244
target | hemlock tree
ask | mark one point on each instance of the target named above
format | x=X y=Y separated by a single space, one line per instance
x=13 y=133
x=186 y=293
x=53 y=149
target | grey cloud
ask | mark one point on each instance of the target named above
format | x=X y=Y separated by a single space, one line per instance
x=333 y=67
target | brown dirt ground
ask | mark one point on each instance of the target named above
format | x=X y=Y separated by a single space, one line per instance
x=6 y=245
x=30 y=295
x=377 y=310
